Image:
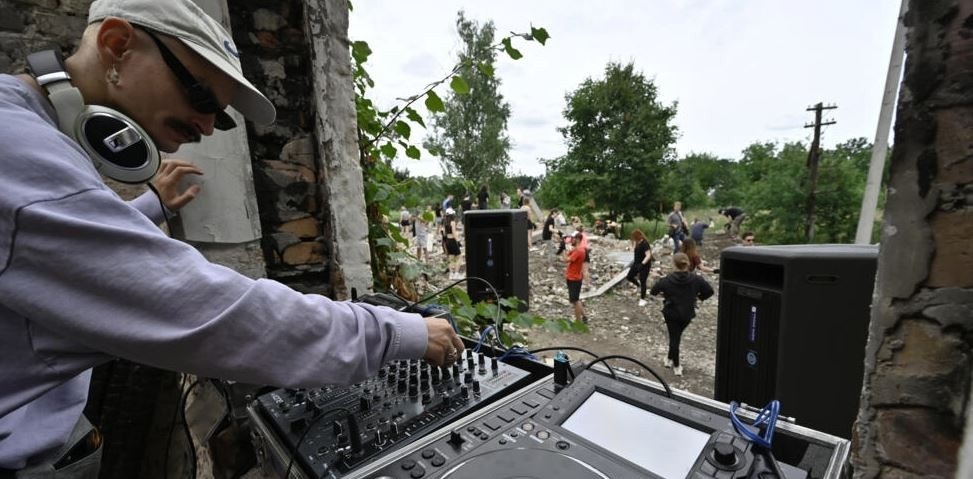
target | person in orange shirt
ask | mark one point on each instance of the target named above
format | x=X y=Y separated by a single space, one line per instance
x=574 y=257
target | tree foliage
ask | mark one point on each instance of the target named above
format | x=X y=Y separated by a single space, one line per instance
x=469 y=136
x=698 y=180
x=775 y=186
x=619 y=138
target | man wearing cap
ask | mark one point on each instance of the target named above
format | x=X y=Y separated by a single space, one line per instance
x=85 y=276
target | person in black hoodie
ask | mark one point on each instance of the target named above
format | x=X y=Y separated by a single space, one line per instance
x=680 y=289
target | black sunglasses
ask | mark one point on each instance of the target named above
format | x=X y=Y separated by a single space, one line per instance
x=201 y=97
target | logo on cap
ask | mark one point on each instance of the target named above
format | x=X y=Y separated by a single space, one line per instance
x=230 y=49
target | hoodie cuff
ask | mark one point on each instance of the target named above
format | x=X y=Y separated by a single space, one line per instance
x=411 y=338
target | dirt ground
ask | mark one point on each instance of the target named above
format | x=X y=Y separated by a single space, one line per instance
x=618 y=325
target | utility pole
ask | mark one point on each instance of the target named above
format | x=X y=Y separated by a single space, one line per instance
x=866 y=219
x=813 y=157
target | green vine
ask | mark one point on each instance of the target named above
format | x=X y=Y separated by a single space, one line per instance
x=382 y=134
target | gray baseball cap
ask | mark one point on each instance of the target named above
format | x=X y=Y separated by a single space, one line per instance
x=185 y=21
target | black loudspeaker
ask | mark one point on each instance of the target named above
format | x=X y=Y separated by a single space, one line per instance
x=496 y=250
x=792 y=326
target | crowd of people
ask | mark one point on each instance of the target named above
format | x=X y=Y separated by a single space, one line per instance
x=680 y=290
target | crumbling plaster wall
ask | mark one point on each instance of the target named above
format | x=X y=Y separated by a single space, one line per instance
x=916 y=393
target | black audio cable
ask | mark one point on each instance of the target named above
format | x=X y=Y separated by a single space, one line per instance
x=352 y=429
x=572 y=348
x=162 y=205
x=180 y=412
x=636 y=361
x=496 y=322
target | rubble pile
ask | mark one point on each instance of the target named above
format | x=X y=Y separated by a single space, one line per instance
x=618 y=325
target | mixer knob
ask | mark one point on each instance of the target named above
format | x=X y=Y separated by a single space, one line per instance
x=402 y=385
x=413 y=390
x=426 y=398
x=464 y=391
x=364 y=404
x=393 y=367
x=467 y=377
x=481 y=359
x=382 y=372
x=469 y=362
x=300 y=396
x=380 y=437
x=493 y=363
x=476 y=387
x=391 y=379
x=424 y=385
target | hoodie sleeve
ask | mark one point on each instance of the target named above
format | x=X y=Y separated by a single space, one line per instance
x=705 y=290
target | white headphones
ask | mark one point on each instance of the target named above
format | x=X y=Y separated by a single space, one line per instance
x=119 y=147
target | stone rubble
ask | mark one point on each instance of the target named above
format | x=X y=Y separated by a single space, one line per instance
x=618 y=325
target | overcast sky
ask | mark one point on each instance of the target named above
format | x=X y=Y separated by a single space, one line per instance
x=741 y=70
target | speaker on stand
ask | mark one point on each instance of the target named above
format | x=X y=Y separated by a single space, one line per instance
x=496 y=250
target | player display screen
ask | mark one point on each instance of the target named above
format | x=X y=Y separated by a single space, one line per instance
x=655 y=443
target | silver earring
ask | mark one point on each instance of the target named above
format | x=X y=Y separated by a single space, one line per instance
x=112 y=75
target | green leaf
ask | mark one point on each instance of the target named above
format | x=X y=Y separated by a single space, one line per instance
x=434 y=103
x=414 y=116
x=360 y=51
x=459 y=85
x=579 y=327
x=413 y=152
x=485 y=68
x=403 y=129
x=539 y=34
x=511 y=51
x=512 y=302
x=388 y=150
x=385 y=242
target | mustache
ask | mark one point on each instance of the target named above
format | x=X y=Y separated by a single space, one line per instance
x=188 y=130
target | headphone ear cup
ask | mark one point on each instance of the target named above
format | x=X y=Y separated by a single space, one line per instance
x=119 y=147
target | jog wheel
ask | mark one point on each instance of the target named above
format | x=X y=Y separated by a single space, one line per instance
x=524 y=464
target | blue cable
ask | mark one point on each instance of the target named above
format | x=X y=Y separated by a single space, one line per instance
x=768 y=415
x=517 y=352
x=483 y=336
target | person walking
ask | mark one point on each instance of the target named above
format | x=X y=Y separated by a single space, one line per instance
x=483 y=198
x=548 y=231
x=451 y=239
x=680 y=290
x=677 y=226
x=421 y=228
x=638 y=273
x=574 y=257
x=504 y=200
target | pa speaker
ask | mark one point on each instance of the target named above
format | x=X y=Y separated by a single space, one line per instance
x=792 y=326
x=496 y=251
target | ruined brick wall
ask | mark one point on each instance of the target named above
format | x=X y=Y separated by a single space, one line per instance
x=293 y=212
x=916 y=394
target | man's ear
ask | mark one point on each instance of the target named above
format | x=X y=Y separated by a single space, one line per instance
x=115 y=38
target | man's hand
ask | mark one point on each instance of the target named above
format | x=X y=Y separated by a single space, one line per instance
x=445 y=346
x=167 y=180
